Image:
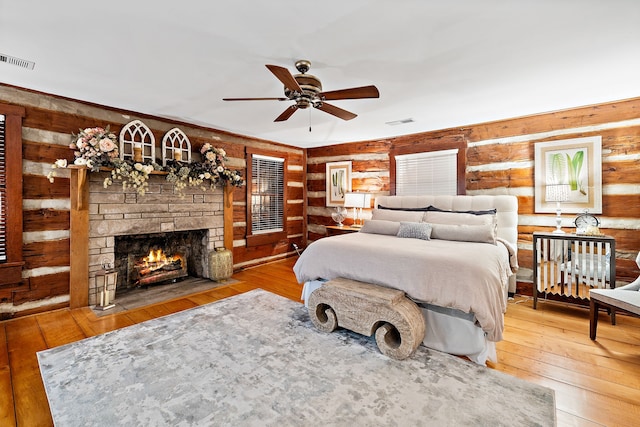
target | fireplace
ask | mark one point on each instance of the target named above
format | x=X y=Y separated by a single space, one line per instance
x=190 y=225
x=143 y=260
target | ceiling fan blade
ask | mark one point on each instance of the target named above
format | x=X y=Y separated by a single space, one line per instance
x=352 y=93
x=338 y=112
x=285 y=77
x=286 y=114
x=255 y=99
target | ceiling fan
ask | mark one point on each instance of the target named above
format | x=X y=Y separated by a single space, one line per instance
x=306 y=91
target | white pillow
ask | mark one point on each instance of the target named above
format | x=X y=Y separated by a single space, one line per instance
x=464 y=233
x=380 y=226
x=438 y=217
x=393 y=215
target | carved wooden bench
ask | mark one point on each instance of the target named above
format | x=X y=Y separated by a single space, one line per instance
x=365 y=308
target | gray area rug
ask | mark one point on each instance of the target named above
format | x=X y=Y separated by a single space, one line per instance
x=256 y=360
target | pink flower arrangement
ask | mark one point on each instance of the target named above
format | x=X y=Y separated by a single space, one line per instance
x=94 y=147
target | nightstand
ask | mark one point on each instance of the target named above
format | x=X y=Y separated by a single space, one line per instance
x=335 y=230
x=569 y=265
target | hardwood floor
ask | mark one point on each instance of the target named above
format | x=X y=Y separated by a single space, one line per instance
x=596 y=383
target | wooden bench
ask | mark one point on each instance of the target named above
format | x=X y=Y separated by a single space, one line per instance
x=366 y=308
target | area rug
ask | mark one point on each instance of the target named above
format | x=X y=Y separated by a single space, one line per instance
x=255 y=359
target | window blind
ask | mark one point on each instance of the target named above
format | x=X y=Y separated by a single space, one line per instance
x=267 y=194
x=433 y=173
x=3 y=193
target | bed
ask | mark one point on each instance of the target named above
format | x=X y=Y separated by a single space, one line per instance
x=455 y=256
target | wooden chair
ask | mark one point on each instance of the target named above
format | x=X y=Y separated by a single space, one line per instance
x=625 y=298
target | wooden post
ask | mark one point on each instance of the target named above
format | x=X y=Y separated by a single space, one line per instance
x=228 y=216
x=79 y=269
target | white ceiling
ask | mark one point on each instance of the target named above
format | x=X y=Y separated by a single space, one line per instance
x=441 y=63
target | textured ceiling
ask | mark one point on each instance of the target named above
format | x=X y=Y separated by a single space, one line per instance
x=440 y=63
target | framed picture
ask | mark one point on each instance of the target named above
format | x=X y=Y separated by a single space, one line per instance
x=338 y=182
x=575 y=163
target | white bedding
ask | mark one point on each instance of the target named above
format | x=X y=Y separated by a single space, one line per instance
x=471 y=277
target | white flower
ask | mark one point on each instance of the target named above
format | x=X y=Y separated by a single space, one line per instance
x=89 y=164
x=60 y=163
x=138 y=166
x=220 y=169
x=207 y=175
x=80 y=161
x=210 y=156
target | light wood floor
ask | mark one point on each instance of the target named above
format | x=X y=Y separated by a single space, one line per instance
x=596 y=383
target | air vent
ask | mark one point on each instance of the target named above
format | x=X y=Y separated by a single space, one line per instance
x=400 y=122
x=17 y=61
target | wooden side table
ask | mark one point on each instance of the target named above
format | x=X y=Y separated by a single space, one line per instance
x=335 y=230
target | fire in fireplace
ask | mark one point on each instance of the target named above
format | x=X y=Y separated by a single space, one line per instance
x=157 y=267
x=149 y=259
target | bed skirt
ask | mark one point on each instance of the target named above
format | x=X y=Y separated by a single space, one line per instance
x=447 y=330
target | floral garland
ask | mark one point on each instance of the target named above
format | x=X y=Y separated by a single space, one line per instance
x=96 y=148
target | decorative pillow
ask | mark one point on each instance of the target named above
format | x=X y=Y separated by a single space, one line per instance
x=464 y=233
x=392 y=215
x=438 y=217
x=485 y=212
x=380 y=226
x=415 y=230
x=404 y=209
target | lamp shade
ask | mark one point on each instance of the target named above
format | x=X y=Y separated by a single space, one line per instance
x=557 y=192
x=357 y=200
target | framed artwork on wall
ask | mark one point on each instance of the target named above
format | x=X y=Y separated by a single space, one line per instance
x=338 y=182
x=575 y=164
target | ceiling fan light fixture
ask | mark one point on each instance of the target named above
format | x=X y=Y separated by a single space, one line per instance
x=306 y=91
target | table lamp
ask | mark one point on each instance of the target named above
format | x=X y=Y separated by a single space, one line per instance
x=557 y=193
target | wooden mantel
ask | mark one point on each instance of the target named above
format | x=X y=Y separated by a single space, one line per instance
x=79 y=234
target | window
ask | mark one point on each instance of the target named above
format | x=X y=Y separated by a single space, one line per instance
x=266 y=198
x=436 y=165
x=433 y=173
x=3 y=195
x=10 y=194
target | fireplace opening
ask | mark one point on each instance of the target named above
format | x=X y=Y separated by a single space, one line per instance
x=157 y=267
x=153 y=259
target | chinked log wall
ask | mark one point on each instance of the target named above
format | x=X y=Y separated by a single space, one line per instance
x=500 y=160
x=46 y=135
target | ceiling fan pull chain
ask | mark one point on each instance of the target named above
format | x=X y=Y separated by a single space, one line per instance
x=309 y=119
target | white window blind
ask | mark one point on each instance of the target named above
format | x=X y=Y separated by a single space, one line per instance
x=267 y=194
x=433 y=173
x=3 y=194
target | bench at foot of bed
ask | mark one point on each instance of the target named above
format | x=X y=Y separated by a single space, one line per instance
x=364 y=308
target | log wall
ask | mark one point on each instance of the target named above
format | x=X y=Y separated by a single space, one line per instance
x=500 y=160
x=46 y=134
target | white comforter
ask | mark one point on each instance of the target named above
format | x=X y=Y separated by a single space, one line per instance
x=471 y=277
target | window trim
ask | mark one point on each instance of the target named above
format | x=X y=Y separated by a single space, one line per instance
x=264 y=238
x=11 y=269
x=438 y=144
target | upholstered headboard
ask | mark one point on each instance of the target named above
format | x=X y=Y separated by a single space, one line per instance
x=506 y=211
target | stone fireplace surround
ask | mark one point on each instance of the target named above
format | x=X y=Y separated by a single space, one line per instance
x=113 y=212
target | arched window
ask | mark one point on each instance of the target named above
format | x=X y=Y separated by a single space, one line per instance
x=137 y=142
x=176 y=146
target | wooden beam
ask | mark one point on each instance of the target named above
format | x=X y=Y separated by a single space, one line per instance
x=79 y=262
